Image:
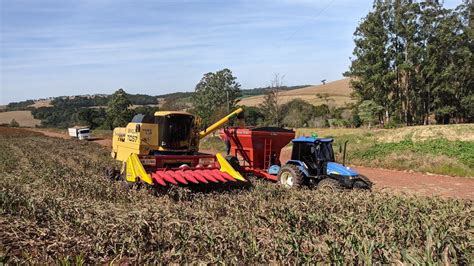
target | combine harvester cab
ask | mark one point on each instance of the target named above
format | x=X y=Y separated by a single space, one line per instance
x=257 y=151
x=162 y=150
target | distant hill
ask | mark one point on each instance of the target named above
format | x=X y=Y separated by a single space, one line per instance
x=336 y=93
x=24 y=118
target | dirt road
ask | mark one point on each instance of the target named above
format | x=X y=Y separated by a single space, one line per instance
x=100 y=141
x=423 y=184
x=399 y=181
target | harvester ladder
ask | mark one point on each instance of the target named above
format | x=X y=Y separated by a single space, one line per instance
x=267 y=152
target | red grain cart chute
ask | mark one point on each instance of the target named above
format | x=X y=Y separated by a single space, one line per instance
x=257 y=148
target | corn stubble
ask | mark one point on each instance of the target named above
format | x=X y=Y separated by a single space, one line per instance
x=58 y=206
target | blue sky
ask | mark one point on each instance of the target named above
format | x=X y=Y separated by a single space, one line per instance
x=62 y=47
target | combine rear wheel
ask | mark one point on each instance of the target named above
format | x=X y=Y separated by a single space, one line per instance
x=290 y=176
x=329 y=185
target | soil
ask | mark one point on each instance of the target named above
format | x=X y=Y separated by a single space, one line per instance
x=398 y=181
x=419 y=183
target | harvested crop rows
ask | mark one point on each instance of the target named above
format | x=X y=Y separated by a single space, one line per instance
x=58 y=206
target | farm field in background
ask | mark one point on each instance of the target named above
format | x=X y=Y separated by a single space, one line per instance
x=338 y=94
x=59 y=207
x=24 y=118
x=41 y=103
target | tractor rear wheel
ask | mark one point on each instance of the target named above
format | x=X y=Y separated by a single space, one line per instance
x=329 y=185
x=290 y=176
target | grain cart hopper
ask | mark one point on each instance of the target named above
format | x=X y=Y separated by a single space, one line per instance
x=257 y=151
x=164 y=149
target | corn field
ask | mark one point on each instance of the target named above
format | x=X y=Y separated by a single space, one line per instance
x=58 y=206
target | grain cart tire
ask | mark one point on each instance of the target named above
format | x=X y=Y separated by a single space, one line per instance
x=329 y=185
x=290 y=176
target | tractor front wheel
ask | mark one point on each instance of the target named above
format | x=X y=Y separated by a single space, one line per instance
x=329 y=185
x=290 y=176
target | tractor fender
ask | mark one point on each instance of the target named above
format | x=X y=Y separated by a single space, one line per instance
x=300 y=165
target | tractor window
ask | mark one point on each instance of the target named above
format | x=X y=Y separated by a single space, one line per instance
x=326 y=153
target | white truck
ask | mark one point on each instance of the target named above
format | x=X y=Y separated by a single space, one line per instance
x=79 y=132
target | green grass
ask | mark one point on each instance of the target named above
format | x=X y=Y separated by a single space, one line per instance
x=212 y=143
x=461 y=150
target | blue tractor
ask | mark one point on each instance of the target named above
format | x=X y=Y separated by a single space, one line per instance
x=312 y=163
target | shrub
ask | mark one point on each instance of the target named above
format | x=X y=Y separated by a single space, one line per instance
x=14 y=123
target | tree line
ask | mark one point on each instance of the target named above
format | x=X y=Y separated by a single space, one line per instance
x=115 y=111
x=413 y=62
x=218 y=93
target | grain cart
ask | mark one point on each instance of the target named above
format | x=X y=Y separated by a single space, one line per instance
x=257 y=151
x=163 y=150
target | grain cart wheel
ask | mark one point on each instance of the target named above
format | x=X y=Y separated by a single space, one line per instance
x=329 y=185
x=290 y=176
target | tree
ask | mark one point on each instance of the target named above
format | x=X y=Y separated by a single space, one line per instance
x=371 y=65
x=118 y=114
x=91 y=117
x=253 y=116
x=271 y=106
x=297 y=113
x=14 y=123
x=415 y=60
x=213 y=91
x=146 y=110
x=173 y=104
x=369 y=111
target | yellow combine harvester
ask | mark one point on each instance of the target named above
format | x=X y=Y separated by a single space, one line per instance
x=164 y=149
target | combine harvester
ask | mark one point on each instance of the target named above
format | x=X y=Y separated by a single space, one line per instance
x=257 y=151
x=164 y=149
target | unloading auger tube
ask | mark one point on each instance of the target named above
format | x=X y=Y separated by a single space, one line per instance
x=162 y=150
x=219 y=123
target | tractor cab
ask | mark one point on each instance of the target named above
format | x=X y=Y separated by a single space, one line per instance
x=315 y=153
